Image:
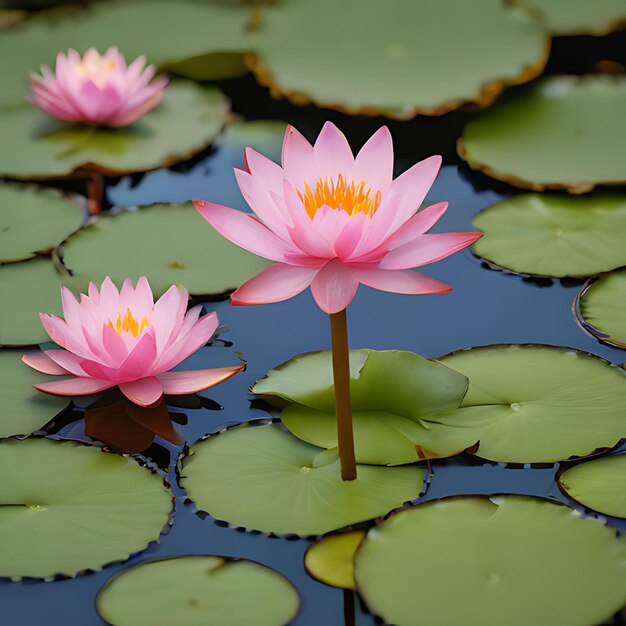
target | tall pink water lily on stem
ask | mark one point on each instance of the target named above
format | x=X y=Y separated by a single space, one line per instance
x=123 y=338
x=97 y=89
x=331 y=220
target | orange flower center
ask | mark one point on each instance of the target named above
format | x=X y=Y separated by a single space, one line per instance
x=128 y=324
x=339 y=194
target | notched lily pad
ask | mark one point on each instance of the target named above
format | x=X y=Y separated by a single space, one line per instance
x=198 y=589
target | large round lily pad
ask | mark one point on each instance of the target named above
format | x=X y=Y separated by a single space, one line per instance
x=400 y=60
x=36 y=145
x=599 y=484
x=535 y=404
x=196 y=589
x=170 y=244
x=394 y=395
x=508 y=560
x=601 y=308
x=263 y=478
x=34 y=220
x=554 y=235
x=70 y=507
x=564 y=132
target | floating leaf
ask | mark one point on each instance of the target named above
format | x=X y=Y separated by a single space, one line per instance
x=198 y=589
x=36 y=145
x=601 y=308
x=599 y=484
x=170 y=244
x=509 y=560
x=263 y=478
x=70 y=507
x=398 y=62
x=331 y=559
x=554 y=235
x=564 y=132
x=393 y=395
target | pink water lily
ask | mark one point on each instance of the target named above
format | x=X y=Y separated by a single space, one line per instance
x=332 y=221
x=123 y=338
x=97 y=89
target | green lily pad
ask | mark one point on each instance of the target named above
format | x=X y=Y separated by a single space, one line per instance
x=34 y=220
x=399 y=62
x=535 y=404
x=24 y=409
x=601 y=308
x=508 y=560
x=553 y=235
x=394 y=395
x=70 y=507
x=197 y=589
x=564 y=132
x=263 y=478
x=599 y=484
x=36 y=145
x=167 y=33
x=170 y=244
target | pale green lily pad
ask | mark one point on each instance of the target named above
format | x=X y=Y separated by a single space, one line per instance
x=197 y=589
x=24 y=409
x=398 y=62
x=263 y=478
x=554 y=235
x=601 y=308
x=564 y=132
x=599 y=484
x=35 y=145
x=535 y=404
x=508 y=560
x=34 y=220
x=394 y=395
x=170 y=244
x=69 y=507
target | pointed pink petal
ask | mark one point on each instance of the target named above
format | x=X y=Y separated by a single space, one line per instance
x=350 y=235
x=75 y=386
x=141 y=359
x=374 y=162
x=264 y=171
x=115 y=346
x=41 y=362
x=168 y=315
x=144 y=392
x=71 y=309
x=400 y=281
x=334 y=287
x=332 y=154
x=297 y=157
x=67 y=361
x=418 y=179
x=59 y=332
x=177 y=383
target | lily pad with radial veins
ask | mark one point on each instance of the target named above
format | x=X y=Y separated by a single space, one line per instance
x=70 y=507
x=401 y=59
x=564 y=132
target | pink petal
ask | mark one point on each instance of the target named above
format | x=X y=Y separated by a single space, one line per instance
x=75 y=386
x=417 y=180
x=113 y=344
x=297 y=157
x=67 y=361
x=71 y=309
x=350 y=235
x=168 y=315
x=400 y=281
x=59 y=332
x=267 y=173
x=334 y=287
x=177 y=383
x=144 y=392
x=332 y=155
x=41 y=362
x=374 y=162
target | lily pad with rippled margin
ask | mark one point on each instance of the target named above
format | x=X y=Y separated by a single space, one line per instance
x=599 y=484
x=198 y=589
x=394 y=395
x=35 y=145
x=554 y=235
x=564 y=132
x=331 y=559
x=34 y=220
x=399 y=60
x=601 y=308
x=170 y=244
x=507 y=560
x=263 y=478
x=68 y=507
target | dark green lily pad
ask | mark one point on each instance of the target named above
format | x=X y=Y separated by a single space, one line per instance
x=398 y=62
x=198 y=589
x=536 y=404
x=263 y=478
x=35 y=145
x=34 y=220
x=599 y=484
x=564 y=132
x=507 y=560
x=70 y=507
x=170 y=244
x=554 y=235
x=394 y=396
x=601 y=308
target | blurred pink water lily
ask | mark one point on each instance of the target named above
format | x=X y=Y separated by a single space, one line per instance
x=123 y=338
x=332 y=221
x=97 y=89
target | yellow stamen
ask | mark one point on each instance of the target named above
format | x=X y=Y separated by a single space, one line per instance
x=128 y=324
